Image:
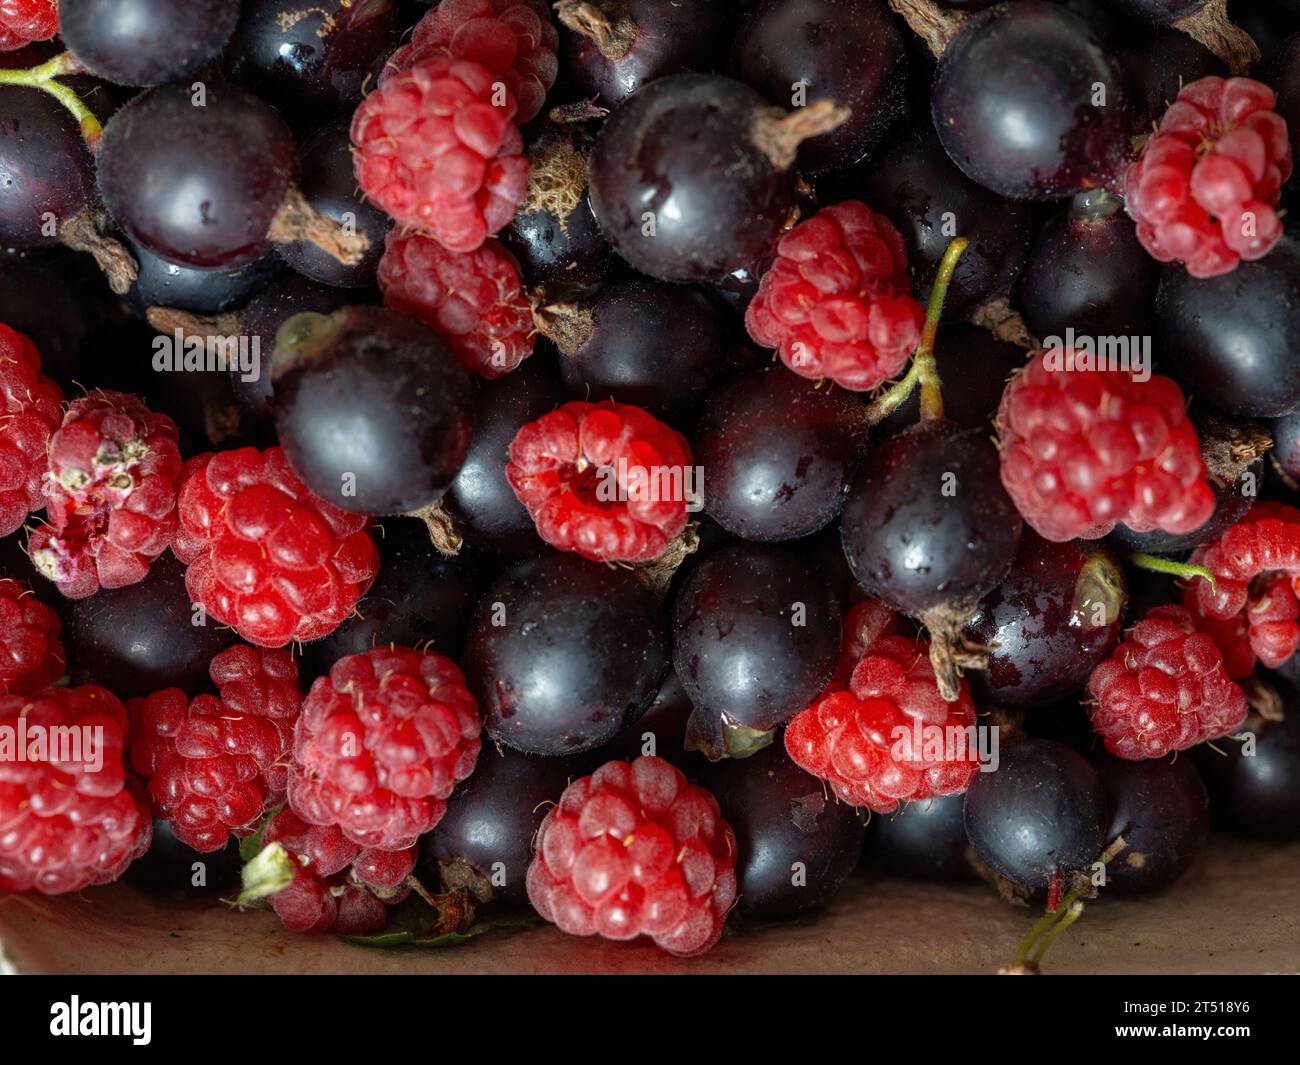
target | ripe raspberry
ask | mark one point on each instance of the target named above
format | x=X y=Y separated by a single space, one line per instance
x=837 y=301
x=1084 y=449
x=110 y=494
x=436 y=152
x=31 y=406
x=1206 y=185
x=24 y=21
x=606 y=480
x=265 y=556
x=1256 y=566
x=382 y=742
x=1164 y=689
x=216 y=765
x=635 y=850
x=514 y=39
x=68 y=822
x=33 y=657
x=475 y=300
x=865 y=623
x=332 y=883
x=852 y=739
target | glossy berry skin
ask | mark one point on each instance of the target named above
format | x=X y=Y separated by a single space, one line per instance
x=654 y=345
x=146 y=42
x=916 y=546
x=837 y=300
x=649 y=40
x=312 y=59
x=1042 y=814
x=1054 y=617
x=31 y=656
x=484 y=842
x=162 y=283
x=924 y=841
x=420 y=599
x=737 y=648
x=1230 y=338
x=778 y=453
x=606 y=480
x=48 y=170
x=330 y=186
x=197 y=185
x=916 y=186
x=1087 y=271
x=849 y=51
x=579 y=657
x=1259 y=792
x=1162 y=810
x=140 y=639
x=32 y=407
x=781 y=816
x=483 y=506
x=718 y=201
x=265 y=556
x=69 y=824
x=1040 y=63
x=1164 y=689
x=634 y=849
x=381 y=743
x=1156 y=66
x=407 y=402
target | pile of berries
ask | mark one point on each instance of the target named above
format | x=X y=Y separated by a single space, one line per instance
x=740 y=465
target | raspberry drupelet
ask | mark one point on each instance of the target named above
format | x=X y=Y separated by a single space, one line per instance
x=1163 y=689
x=382 y=741
x=265 y=556
x=31 y=407
x=474 y=299
x=33 y=657
x=440 y=152
x=216 y=764
x=66 y=823
x=24 y=21
x=606 y=480
x=852 y=739
x=632 y=850
x=1206 y=186
x=110 y=494
x=1252 y=609
x=837 y=301
x=1085 y=448
x=514 y=39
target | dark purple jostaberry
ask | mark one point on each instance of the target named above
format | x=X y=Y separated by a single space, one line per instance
x=924 y=841
x=1056 y=614
x=1259 y=792
x=1156 y=67
x=161 y=283
x=660 y=731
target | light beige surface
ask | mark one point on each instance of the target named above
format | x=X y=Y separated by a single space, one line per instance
x=1238 y=911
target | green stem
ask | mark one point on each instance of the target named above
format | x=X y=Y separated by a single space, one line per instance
x=1044 y=925
x=1072 y=914
x=43 y=77
x=923 y=371
x=1183 y=570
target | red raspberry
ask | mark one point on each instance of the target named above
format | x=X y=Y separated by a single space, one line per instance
x=110 y=494
x=606 y=480
x=852 y=739
x=67 y=822
x=31 y=406
x=216 y=765
x=24 y=21
x=1164 y=689
x=1256 y=566
x=438 y=154
x=863 y=625
x=634 y=849
x=1206 y=186
x=333 y=884
x=382 y=742
x=514 y=39
x=33 y=657
x=475 y=300
x=265 y=556
x=837 y=301
x=1084 y=449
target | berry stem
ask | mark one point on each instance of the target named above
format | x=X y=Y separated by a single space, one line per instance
x=1183 y=570
x=930 y=22
x=43 y=77
x=613 y=37
x=1212 y=27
